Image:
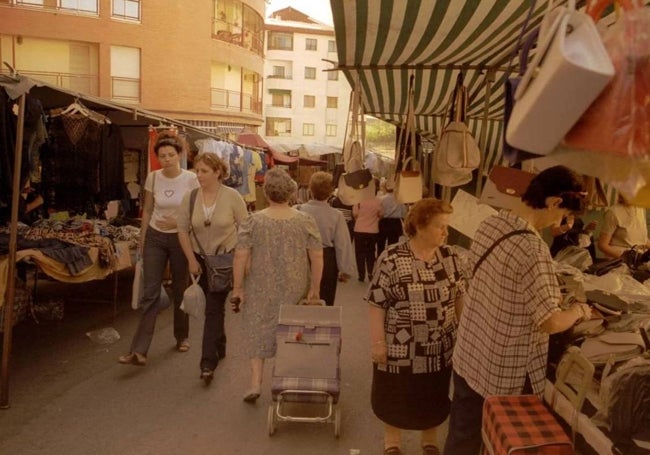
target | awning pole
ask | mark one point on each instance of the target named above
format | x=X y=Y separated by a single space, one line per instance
x=483 y=137
x=11 y=265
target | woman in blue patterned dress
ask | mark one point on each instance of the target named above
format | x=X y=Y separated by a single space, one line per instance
x=415 y=293
x=278 y=260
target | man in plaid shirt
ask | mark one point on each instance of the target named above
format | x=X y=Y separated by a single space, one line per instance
x=511 y=306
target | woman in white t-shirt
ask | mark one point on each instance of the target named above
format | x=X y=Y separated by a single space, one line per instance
x=624 y=226
x=164 y=190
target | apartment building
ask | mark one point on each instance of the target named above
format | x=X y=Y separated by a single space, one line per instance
x=200 y=61
x=303 y=103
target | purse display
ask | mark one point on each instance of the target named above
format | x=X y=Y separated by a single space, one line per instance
x=457 y=154
x=570 y=63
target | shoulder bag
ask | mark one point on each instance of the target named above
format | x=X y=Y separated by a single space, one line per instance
x=219 y=273
x=408 y=182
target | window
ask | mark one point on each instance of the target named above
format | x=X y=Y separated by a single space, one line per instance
x=281 y=41
x=330 y=129
x=89 y=6
x=332 y=75
x=280 y=98
x=125 y=74
x=332 y=102
x=278 y=126
x=310 y=72
x=311 y=44
x=307 y=129
x=331 y=46
x=126 y=9
x=278 y=72
x=310 y=101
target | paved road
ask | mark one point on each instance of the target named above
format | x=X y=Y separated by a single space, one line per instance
x=69 y=396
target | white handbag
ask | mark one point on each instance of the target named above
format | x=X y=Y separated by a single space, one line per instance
x=408 y=183
x=569 y=70
x=457 y=154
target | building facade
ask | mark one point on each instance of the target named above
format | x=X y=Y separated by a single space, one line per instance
x=303 y=104
x=202 y=63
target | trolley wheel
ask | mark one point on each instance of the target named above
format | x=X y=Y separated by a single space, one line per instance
x=270 y=420
x=337 y=423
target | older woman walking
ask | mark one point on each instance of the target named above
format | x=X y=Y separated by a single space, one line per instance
x=278 y=260
x=208 y=227
x=413 y=296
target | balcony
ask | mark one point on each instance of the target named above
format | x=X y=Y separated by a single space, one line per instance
x=234 y=34
x=81 y=7
x=83 y=83
x=234 y=101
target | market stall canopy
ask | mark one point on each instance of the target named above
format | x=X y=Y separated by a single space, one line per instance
x=381 y=43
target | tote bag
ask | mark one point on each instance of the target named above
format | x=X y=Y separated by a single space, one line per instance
x=408 y=182
x=569 y=70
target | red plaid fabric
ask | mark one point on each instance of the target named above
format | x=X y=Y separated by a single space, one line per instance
x=521 y=424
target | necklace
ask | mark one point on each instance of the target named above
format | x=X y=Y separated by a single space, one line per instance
x=208 y=211
x=207 y=214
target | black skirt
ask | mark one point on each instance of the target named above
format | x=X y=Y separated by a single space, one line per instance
x=411 y=401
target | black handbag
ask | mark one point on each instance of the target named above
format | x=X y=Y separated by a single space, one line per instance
x=358 y=179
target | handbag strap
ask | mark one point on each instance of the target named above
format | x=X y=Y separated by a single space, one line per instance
x=497 y=242
x=596 y=8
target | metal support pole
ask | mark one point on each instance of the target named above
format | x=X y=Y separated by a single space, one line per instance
x=11 y=265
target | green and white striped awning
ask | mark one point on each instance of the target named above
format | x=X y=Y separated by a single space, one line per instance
x=383 y=42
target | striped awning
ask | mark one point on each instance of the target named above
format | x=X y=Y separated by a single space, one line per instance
x=381 y=43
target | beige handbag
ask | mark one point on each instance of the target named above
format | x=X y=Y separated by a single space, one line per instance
x=408 y=182
x=457 y=154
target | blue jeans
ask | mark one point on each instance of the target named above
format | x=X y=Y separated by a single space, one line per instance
x=214 y=334
x=160 y=247
x=464 y=436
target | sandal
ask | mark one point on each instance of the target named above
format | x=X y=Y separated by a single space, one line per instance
x=133 y=358
x=394 y=450
x=430 y=450
x=183 y=345
x=252 y=395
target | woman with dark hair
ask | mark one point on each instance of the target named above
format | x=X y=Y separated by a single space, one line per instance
x=163 y=192
x=512 y=305
x=413 y=296
x=207 y=228
x=278 y=261
x=338 y=259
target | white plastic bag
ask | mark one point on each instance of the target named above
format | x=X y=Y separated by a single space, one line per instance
x=138 y=285
x=194 y=299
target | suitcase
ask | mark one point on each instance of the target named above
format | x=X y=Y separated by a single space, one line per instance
x=306 y=368
x=521 y=424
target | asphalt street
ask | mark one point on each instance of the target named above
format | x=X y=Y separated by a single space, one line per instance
x=68 y=395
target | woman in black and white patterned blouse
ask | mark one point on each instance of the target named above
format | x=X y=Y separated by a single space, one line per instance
x=413 y=295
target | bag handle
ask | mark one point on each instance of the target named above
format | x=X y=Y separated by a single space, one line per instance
x=355 y=128
x=546 y=33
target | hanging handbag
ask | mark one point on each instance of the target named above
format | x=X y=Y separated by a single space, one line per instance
x=569 y=70
x=219 y=265
x=408 y=182
x=408 y=185
x=457 y=154
x=356 y=184
x=618 y=122
x=505 y=186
